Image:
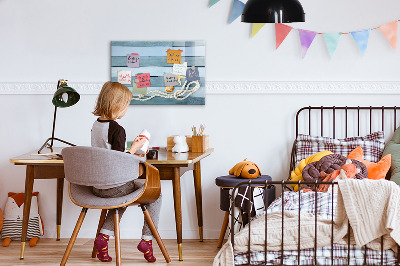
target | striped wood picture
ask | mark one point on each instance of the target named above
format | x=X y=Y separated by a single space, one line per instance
x=153 y=60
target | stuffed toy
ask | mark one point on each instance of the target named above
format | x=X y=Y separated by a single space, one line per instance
x=13 y=215
x=180 y=144
x=1 y=219
x=245 y=169
x=375 y=170
x=296 y=174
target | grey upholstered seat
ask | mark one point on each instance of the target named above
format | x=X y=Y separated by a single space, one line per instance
x=85 y=167
x=83 y=196
x=103 y=168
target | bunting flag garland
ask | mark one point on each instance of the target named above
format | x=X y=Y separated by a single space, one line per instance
x=332 y=41
x=237 y=9
x=389 y=30
x=306 y=39
x=361 y=38
x=256 y=27
x=281 y=31
x=213 y=2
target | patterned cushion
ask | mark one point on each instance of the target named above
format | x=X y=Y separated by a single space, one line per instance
x=13 y=228
x=372 y=144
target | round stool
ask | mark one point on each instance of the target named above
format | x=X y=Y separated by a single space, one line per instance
x=226 y=183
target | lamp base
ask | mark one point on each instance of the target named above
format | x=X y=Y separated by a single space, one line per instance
x=50 y=146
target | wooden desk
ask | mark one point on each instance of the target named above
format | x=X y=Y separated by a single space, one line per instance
x=40 y=167
x=168 y=164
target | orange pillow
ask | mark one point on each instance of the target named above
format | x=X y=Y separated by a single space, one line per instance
x=375 y=170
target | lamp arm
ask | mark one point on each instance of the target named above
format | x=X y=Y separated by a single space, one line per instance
x=54 y=118
x=54 y=126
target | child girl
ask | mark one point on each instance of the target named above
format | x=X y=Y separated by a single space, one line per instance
x=112 y=104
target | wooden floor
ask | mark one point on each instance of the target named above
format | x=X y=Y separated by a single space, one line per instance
x=50 y=252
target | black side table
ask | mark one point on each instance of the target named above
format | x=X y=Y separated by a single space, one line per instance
x=226 y=183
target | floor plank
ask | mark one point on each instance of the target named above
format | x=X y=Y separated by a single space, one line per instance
x=49 y=252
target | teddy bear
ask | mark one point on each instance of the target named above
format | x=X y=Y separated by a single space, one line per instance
x=13 y=215
x=245 y=169
x=180 y=144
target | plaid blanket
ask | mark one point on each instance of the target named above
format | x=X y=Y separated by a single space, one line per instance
x=324 y=257
x=323 y=205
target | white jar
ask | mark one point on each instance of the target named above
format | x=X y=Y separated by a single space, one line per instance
x=144 y=134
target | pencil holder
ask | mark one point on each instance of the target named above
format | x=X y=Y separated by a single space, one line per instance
x=200 y=143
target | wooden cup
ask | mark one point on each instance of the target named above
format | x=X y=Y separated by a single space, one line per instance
x=200 y=143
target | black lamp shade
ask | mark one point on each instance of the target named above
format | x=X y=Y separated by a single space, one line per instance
x=65 y=96
x=273 y=11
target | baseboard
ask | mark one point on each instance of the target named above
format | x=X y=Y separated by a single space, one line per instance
x=232 y=87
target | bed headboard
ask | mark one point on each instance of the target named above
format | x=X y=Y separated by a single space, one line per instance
x=344 y=121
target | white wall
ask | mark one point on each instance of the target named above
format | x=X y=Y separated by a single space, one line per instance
x=42 y=41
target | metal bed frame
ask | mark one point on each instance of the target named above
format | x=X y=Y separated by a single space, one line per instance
x=283 y=184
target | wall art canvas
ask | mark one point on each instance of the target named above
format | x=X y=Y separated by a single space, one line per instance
x=161 y=72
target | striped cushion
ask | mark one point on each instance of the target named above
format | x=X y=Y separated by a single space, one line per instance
x=372 y=145
x=13 y=228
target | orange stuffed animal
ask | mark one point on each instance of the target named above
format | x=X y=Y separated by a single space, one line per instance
x=245 y=169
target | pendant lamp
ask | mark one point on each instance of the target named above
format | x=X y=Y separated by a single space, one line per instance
x=273 y=11
x=64 y=96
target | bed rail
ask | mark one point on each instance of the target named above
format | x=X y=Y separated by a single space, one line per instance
x=341 y=119
x=265 y=185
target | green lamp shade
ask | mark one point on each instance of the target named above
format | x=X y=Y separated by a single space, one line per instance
x=65 y=96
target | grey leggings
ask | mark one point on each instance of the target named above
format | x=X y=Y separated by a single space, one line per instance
x=154 y=208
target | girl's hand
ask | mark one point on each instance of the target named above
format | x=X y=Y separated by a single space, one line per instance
x=137 y=144
x=142 y=155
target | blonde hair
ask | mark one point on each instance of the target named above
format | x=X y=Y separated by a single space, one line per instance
x=112 y=99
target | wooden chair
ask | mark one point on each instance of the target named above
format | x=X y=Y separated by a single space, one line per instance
x=85 y=167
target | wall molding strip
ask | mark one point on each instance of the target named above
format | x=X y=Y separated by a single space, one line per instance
x=231 y=87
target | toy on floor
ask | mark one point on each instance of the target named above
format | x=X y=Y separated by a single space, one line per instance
x=245 y=169
x=1 y=219
x=13 y=215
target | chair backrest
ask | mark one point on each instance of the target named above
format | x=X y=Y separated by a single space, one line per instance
x=92 y=166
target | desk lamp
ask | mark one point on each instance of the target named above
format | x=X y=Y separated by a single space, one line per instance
x=272 y=11
x=64 y=96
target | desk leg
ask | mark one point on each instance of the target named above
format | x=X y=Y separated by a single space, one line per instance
x=199 y=204
x=27 y=206
x=176 y=182
x=60 y=190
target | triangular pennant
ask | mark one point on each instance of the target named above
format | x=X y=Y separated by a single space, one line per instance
x=213 y=2
x=256 y=27
x=361 y=37
x=237 y=9
x=281 y=31
x=306 y=39
x=332 y=41
x=389 y=30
